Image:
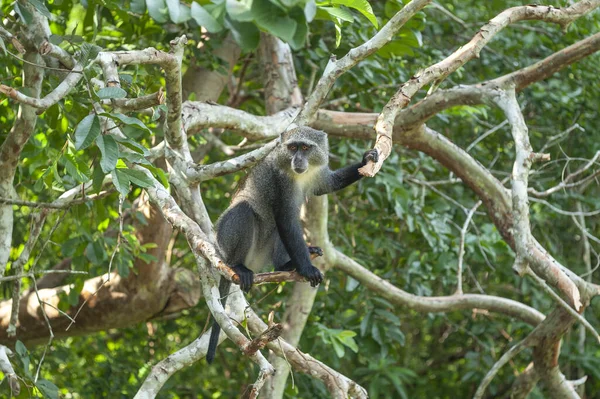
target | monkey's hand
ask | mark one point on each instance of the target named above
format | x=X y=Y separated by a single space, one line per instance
x=315 y=252
x=245 y=275
x=312 y=274
x=371 y=155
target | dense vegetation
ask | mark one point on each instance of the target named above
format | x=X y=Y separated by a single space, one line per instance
x=404 y=224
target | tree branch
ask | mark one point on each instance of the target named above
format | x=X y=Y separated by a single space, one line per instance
x=438 y=72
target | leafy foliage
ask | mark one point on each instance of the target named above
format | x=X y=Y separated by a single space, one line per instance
x=403 y=225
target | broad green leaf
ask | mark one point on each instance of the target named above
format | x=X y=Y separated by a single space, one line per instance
x=179 y=13
x=240 y=10
x=245 y=34
x=338 y=12
x=23 y=355
x=301 y=33
x=86 y=132
x=111 y=92
x=110 y=152
x=132 y=145
x=361 y=6
x=88 y=52
x=173 y=7
x=122 y=264
x=128 y=120
x=56 y=39
x=157 y=10
x=158 y=173
x=138 y=177
x=24 y=14
x=338 y=347
x=395 y=48
x=137 y=6
x=310 y=10
x=48 y=389
x=97 y=178
x=205 y=19
x=76 y=168
x=96 y=253
x=41 y=8
x=273 y=20
x=121 y=181
x=134 y=157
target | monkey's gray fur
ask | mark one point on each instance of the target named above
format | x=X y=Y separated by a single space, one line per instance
x=262 y=224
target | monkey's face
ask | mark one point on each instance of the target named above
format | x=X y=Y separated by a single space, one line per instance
x=299 y=153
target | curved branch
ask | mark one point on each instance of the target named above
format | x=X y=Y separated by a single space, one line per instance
x=197 y=173
x=335 y=69
x=438 y=72
x=436 y=304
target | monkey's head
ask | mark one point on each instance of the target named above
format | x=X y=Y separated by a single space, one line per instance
x=304 y=148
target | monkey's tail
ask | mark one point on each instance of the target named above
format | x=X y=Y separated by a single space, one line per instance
x=216 y=329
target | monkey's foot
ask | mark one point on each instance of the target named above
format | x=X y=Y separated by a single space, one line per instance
x=246 y=277
x=312 y=274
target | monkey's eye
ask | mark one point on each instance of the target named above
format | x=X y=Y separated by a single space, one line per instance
x=293 y=147
x=304 y=147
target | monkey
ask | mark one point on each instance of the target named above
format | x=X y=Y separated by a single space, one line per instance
x=262 y=224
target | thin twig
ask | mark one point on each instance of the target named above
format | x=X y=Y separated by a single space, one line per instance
x=461 y=251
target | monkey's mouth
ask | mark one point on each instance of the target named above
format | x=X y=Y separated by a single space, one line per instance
x=299 y=171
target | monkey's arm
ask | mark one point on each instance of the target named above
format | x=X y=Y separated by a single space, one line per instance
x=332 y=181
x=288 y=226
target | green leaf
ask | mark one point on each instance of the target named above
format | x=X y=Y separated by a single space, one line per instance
x=273 y=20
x=56 y=39
x=338 y=12
x=122 y=264
x=134 y=157
x=86 y=132
x=97 y=178
x=205 y=19
x=173 y=7
x=41 y=8
x=76 y=168
x=301 y=33
x=338 y=347
x=239 y=10
x=361 y=6
x=48 y=389
x=132 y=145
x=111 y=92
x=110 y=152
x=338 y=35
x=395 y=48
x=157 y=10
x=121 y=181
x=88 y=52
x=160 y=174
x=96 y=253
x=137 y=6
x=138 y=177
x=179 y=13
x=24 y=14
x=23 y=355
x=245 y=34
x=128 y=120
x=310 y=10
x=365 y=323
